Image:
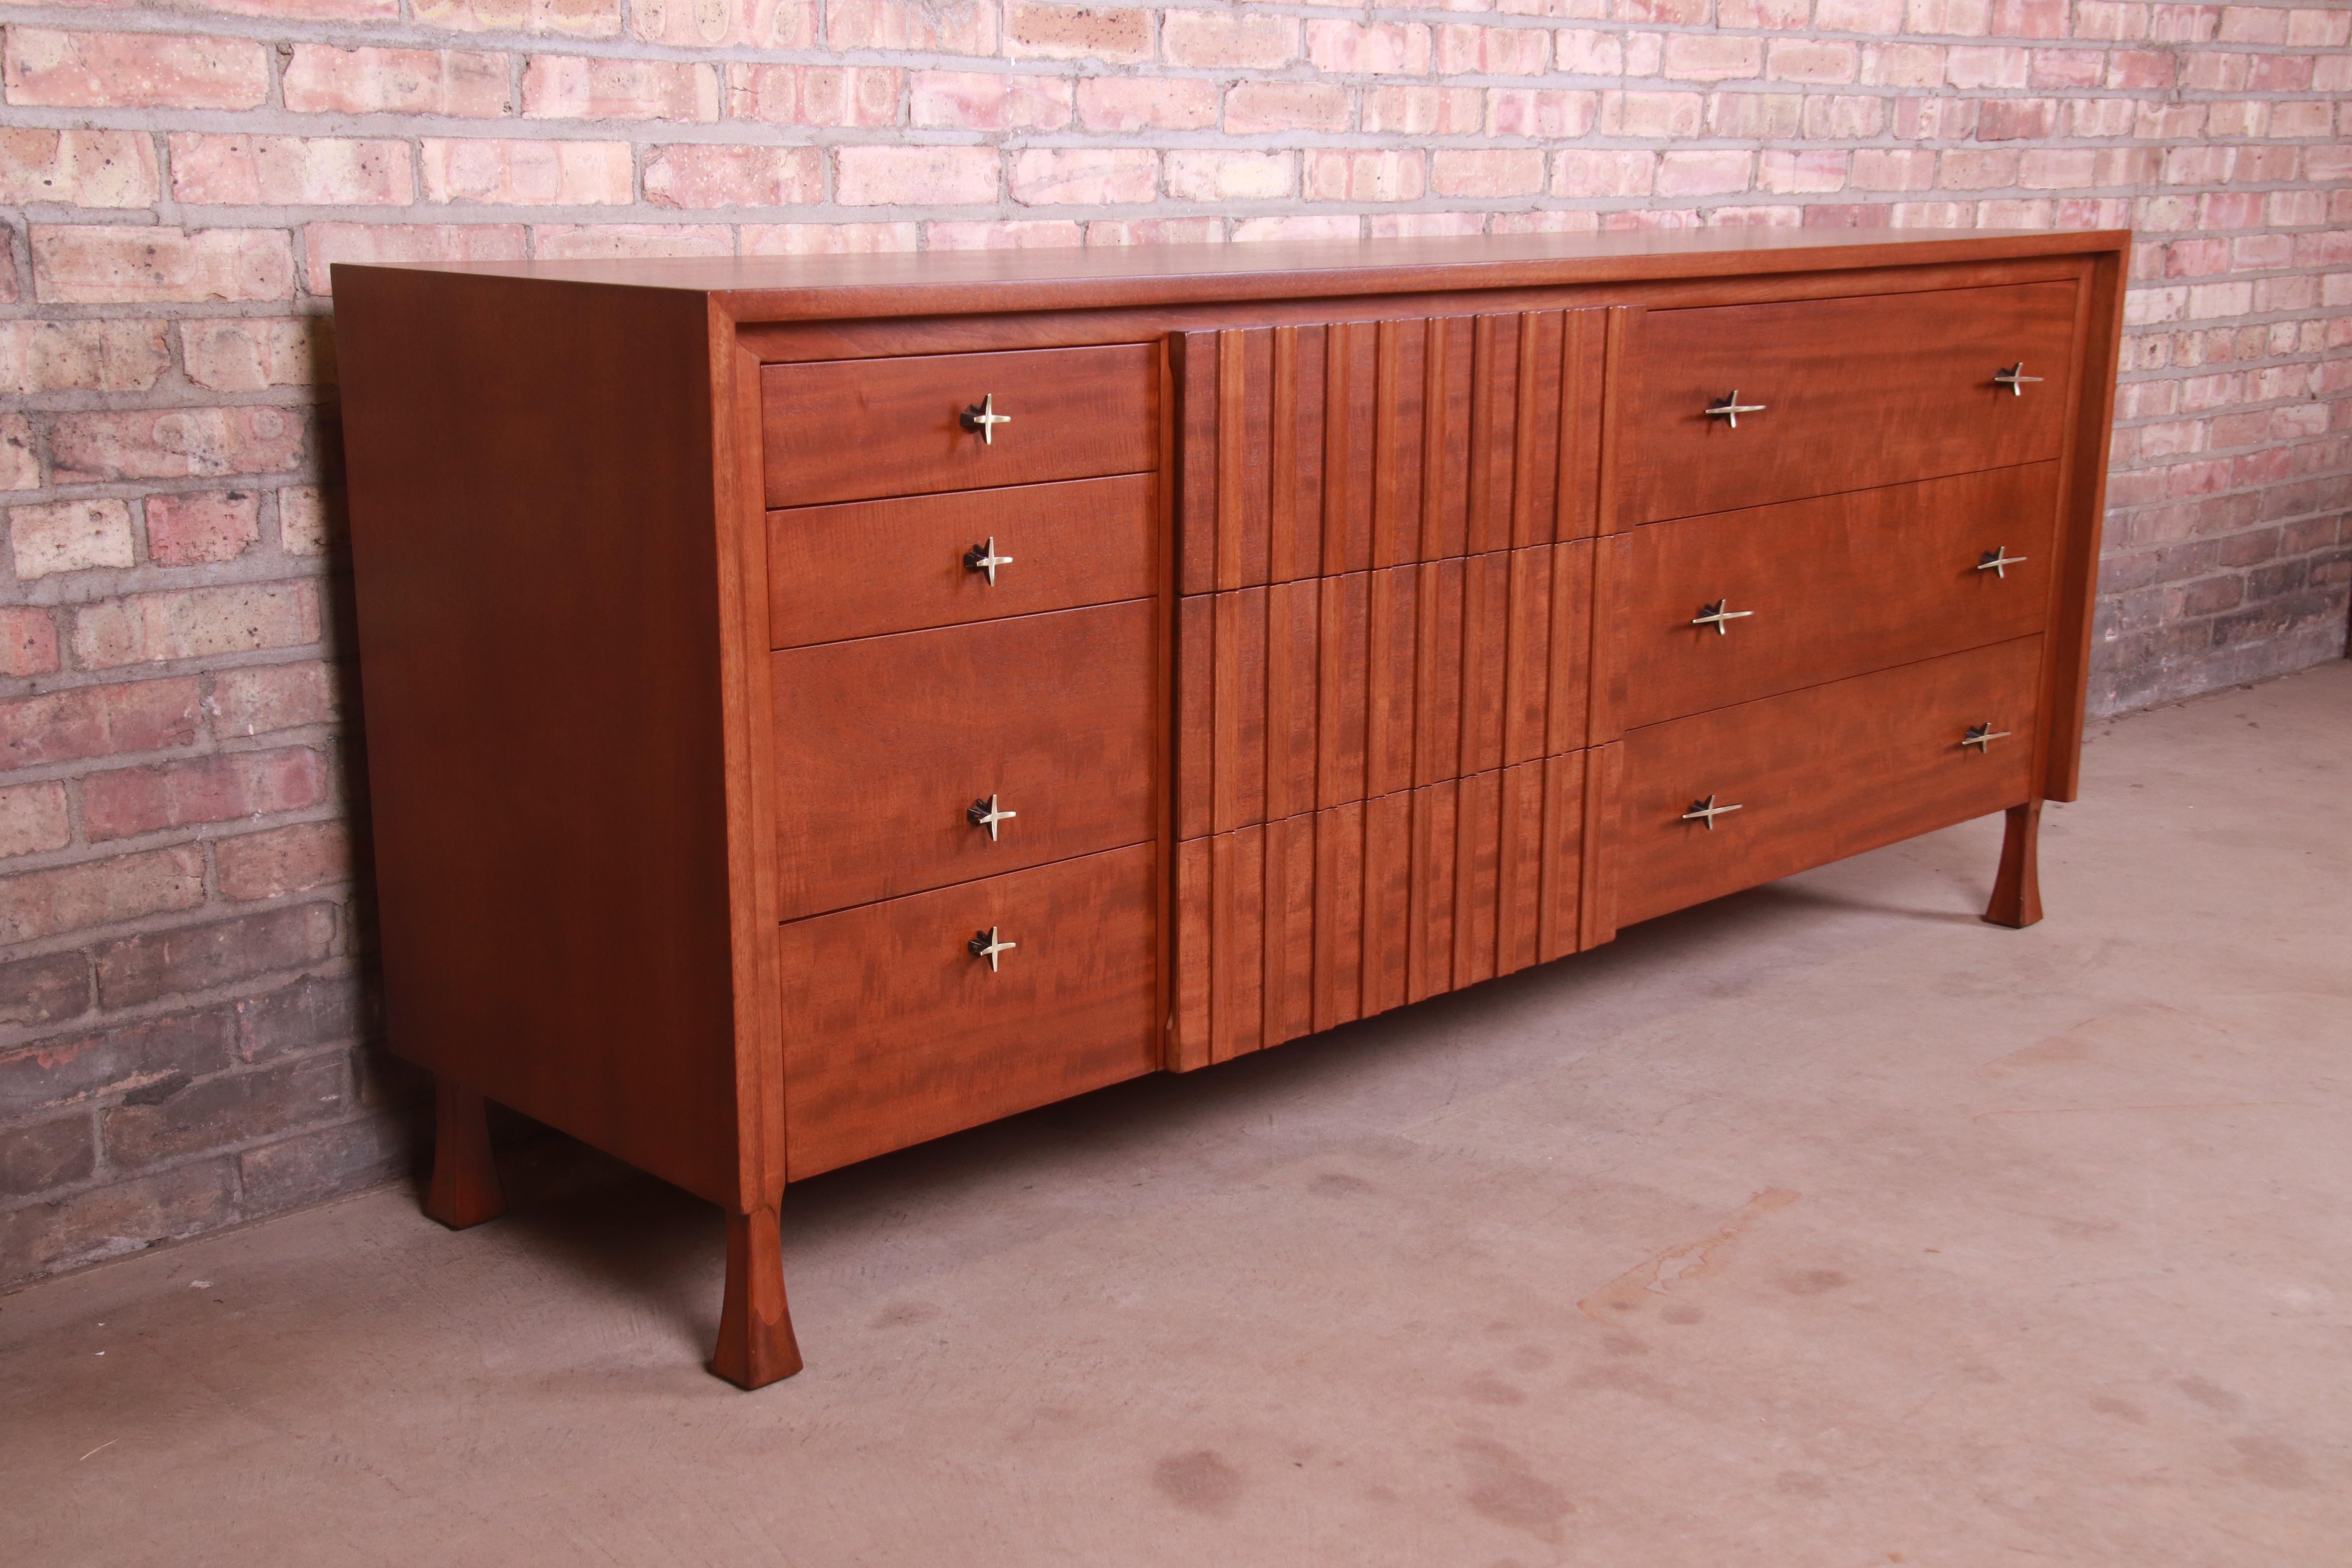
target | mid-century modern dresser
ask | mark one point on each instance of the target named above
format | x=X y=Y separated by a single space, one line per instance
x=813 y=706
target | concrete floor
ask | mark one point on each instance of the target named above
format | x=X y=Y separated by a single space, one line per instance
x=1824 y=1226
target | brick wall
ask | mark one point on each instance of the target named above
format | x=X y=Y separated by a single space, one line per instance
x=183 y=934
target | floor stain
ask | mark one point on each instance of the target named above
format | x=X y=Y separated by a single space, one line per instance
x=2211 y=1395
x=2273 y=1463
x=1677 y=1267
x=1503 y=1489
x=1201 y=1480
x=1487 y=1389
x=2121 y=1409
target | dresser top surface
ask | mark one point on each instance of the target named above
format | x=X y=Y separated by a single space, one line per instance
x=776 y=288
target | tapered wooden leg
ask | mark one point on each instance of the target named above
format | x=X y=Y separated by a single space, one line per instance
x=755 y=1326
x=2017 y=891
x=464 y=1179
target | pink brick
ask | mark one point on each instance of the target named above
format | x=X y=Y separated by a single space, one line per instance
x=815 y=95
x=502 y=173
x=697 y=174
x=1335 y=174
x=2305 y=120
x=328 y=243
x=1843 y=116
x=84 y=265
x=211 y=525
x=829 y=239
x=568 y=19
x=1712 y=56
x=1464 y=49
x=1784 y=172
x=132 y=801
x=133 y=70
x=1540 y=111
x=1218 y=176
x=94 y=721
x=1903 y=64
x=78 y=168
x=69 y=536
x=576 y=86
x=323 y=80
x=1969 y=67
x=1976 y=170
x=1805 y=59
x=101 y=892
x=2017 y=120
x=194 y=623
x=1703 y=173
x=1887 y=169
x=177 y=442
x=2029 y=18
x=1512 y=171
x=1858 y=15
x=1548 y=221
x=281 y=860
x=1380 y=49
x=1958 y=18
x=2213 y=70
x=625 y=241
x=914 y=176
x=309 y=520
x=1088 y=176
x=1228 y=40
x=20 y=458
x=1759 y=116
x=1254 y=108
x=288 y=171
x=1651 y=115
x=2057 y=169
x=1117 y=103
x=1424 y=111
x=1119 y=34
x=28 y=644
x=263 y=700
x=999 y=234
x=2198 y=166
x=303 y=10
x=724 y=23
x=33 y=818
x=2129 y=69
x=1578 y=52
x=1782 y=15
x=987 y=101
x=2252 y=25
x=930 y=27
x=81 y=357
x=1257 y=230
x=2067 y=67
x=2015 y=211
x=2280 y=73
x=1578 y=173
x=1408 y=226
x=252 y=353
x=1155 y=231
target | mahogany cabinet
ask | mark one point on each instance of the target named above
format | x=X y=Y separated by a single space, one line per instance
x=813 y=706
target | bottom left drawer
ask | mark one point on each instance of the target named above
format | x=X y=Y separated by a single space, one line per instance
x=919 y=1017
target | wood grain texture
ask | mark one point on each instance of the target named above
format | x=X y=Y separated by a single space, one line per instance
x=464 y=1192
x=2075 y=593
x=1821 y=774
x=858 y=429
x=882 y=744
x=1310 y=922
x=1856 y=392
x=2016 y=901
x=1327 y=690
x=868 y=568
x=1832 y=587
x=902 y=1035
x=1352 y=446
x=756 y=1346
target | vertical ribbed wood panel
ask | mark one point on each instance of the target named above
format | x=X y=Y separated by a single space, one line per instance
x=1292 y=926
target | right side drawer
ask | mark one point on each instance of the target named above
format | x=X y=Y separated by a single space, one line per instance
x=1840 y=395
x=839 y=430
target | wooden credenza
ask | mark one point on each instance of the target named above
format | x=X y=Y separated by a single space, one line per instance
x=813 y=706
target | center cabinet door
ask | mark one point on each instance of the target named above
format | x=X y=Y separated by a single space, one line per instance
x=1383 y=643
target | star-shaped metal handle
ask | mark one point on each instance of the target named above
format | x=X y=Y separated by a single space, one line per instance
x=983 y=417
x=1730 y=408
x=988 y=814
x=983 y=559
x=1998 y=561
x=1715 y=615
x=2014 y=378
x=987 y=944
x=1706 y=811
x=1982 y=736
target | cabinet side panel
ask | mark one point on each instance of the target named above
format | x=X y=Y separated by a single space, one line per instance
x=533 y=550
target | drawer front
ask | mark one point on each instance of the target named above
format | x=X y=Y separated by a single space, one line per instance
x=883 y=746
x=869 y=568
x=1820 y=774
x=1724 y=609
x=898 y=1032
x=1845 y=393
x=842 y=430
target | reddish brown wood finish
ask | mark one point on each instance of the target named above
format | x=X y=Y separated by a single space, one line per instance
x=756 y=1346
x=2017 y=889
x=465 y=1190
x=869 y=568
x=853 y=429
x=1856 y=392
x=1821 y=774
x=882 y=745
x=901 y=1034
x=1832 y=587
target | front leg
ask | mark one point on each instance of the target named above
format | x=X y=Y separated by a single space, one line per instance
x=2017 y=890
x=755 y=1326
x=465 y=1190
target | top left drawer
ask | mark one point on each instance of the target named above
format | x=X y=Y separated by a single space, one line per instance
x=839 y=430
